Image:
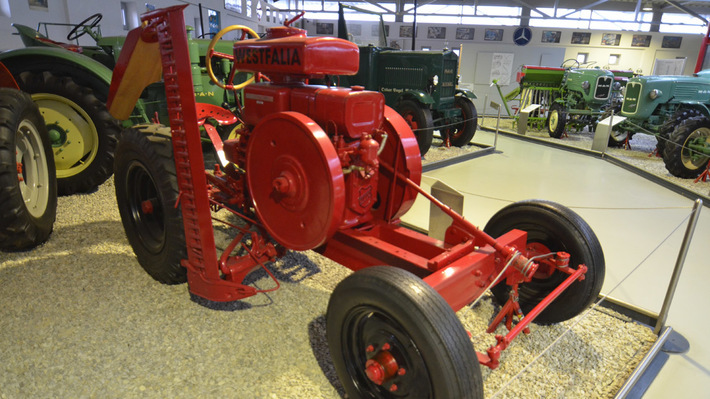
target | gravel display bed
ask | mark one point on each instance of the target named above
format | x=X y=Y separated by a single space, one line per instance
x=82 y=319
x=640 y=154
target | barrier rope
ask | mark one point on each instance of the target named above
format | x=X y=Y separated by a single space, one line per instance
x=439 y=127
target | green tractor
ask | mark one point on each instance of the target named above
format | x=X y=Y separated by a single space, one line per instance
x=421 y=85
x=70 y=84
x=575 y=96
x=675 y=110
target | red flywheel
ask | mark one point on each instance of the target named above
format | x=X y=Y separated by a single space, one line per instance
x=296 y=180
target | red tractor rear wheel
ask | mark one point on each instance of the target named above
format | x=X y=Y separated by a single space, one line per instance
x=552 y=227
x=146 y=192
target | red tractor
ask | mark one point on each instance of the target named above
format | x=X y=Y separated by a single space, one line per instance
x=333 y=170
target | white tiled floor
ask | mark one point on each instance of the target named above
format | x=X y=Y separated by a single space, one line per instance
x=631 y=217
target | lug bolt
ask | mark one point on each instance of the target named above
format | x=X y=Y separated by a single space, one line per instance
x=370 y=348
x=401 y=371
x=393 y=387
x=386 y=347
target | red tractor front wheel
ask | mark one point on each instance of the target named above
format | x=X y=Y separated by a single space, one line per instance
x=391 y=335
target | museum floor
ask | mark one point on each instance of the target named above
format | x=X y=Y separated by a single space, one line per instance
x=80 y=318
x=631 y=216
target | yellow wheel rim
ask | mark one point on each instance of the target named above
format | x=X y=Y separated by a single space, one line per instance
x=75 y=139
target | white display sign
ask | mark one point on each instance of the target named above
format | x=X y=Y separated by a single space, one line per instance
x=669 y=67
x=501 y=68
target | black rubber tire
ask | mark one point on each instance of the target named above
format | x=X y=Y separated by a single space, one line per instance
x=559 y=229
x=669 y=126
x=28 y=208
x=617 y=138
x=78 y=178
x=145 y=171
x=556 y=120
x=679 y=159
x=382 y=304
x=462 y=134
x=420 y=120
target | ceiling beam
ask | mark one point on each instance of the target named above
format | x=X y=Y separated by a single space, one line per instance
x=687 y=10
x=374 y=3
x=588 y=6
x=524 y=4
x=419 y=4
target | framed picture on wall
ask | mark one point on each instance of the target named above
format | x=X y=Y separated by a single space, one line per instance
x=38 y=5
x=436 y=32
x=405 y=31
x=324 y=28
x=551 y=36
x=375 y=30
x=493 y=35
x=641 y=41
x=611 y=39
x=671 y=41
x=464 y=33
x=581 y=37
x=355 y=29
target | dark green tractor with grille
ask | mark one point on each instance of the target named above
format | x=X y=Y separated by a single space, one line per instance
x=421 y=85
x=675 y=110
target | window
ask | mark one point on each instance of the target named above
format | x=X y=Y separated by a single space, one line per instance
x=426 y=48
x=582 y=58
x=614 y=59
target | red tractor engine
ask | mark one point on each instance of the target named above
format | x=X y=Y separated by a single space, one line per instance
x=312 y=154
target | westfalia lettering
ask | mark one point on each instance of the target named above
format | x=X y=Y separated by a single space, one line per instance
x=273 y=56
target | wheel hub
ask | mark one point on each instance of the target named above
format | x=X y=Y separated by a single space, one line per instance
x=382 y=367
x=57 y=135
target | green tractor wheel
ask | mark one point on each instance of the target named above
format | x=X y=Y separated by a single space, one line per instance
x=420 y=120
x=617 y=137
x=82 y=132
x=462 y=133
x=556 y=120
x=670 y=125
x=680 y=159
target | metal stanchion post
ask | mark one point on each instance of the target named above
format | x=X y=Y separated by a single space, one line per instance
x=496 y=106
x=678 y=266
x=668 y=340
x=485 y=104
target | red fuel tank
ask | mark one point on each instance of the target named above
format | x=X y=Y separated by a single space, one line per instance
x=288 y=51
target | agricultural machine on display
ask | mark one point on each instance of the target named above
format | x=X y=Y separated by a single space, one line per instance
x=70 y=83
x=675 y=110
x=576 y=96
x=28 y=185
x=333 y=169
x=421 y=85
